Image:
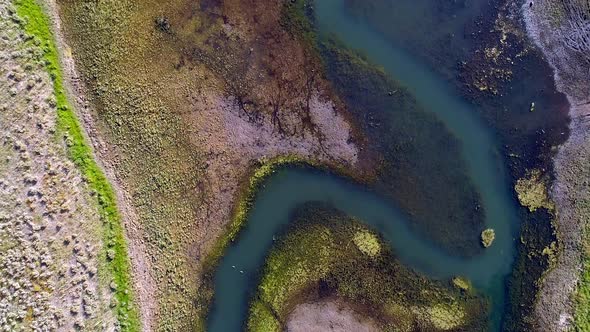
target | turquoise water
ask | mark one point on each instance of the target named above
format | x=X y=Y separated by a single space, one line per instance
x=236 y=276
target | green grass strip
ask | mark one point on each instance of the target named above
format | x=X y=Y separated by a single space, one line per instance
x=117 y=266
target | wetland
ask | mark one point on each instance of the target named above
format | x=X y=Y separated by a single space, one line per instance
x=445 y=169
x=289 y=165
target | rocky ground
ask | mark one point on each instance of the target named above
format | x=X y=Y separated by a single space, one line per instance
x=560 y=30
x=50 y=245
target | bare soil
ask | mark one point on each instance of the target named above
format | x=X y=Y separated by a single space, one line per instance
x=328 y=316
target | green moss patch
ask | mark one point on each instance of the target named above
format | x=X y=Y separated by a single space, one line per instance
x=318 y=257
x=532 y=191
x=367 y=242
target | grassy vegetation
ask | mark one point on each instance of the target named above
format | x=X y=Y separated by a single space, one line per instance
x=582 y=295
x=145 y=84
x=143 y=109
x=70 y=131
x=319 y=257
x=140 y=108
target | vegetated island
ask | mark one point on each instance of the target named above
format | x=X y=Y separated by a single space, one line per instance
x=327 y=260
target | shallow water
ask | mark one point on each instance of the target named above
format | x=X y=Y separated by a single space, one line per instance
x=236 y=275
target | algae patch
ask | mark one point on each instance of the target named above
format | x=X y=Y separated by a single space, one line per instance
x=487 y=237
x=462 y=283
x=532 y=191
x=367 y=242
x=447 y=316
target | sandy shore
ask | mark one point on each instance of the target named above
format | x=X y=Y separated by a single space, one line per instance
x=555 y=309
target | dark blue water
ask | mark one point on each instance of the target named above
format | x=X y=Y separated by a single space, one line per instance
x=236 y=274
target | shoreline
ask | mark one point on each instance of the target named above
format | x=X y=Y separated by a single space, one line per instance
x=555 y=307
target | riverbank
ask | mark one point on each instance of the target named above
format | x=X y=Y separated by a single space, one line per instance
x=563 y=302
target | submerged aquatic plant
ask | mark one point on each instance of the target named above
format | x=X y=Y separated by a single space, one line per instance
x=367 y=242
x=532 y=192
x=487 y=237
x=462 y=283
x=446 y=316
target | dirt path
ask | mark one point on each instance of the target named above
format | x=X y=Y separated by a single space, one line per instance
x=144 y=284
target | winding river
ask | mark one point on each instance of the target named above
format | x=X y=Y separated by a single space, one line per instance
x=236 y=274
